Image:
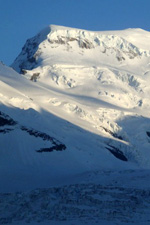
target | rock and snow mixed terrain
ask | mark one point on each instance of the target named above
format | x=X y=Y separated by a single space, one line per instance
x=75 y=105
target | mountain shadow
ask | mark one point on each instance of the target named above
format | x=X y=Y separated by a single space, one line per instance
x=67 y=149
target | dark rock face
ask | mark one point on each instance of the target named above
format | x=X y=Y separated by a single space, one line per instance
x=6 y=120
x=57 y=147
x=148 y=133
x=113 y=134
x=28 y=57
x=8 y=125
x=5 y=130
x=56 y=144
x=117 y=153
x=83 y=43
x=35 y=76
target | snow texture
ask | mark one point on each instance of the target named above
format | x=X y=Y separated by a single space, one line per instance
x=75 y=129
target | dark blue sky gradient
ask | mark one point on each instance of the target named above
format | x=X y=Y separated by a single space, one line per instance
x=22 y=19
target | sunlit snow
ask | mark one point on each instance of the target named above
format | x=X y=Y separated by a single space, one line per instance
x=76 y=112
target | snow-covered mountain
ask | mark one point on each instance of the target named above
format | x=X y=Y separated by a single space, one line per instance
x=96 y=80
x=67 y=46
x=74 y=102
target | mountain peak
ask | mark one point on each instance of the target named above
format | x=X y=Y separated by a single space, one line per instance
x=76 y=46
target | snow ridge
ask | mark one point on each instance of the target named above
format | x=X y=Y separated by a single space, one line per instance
x=37 y=48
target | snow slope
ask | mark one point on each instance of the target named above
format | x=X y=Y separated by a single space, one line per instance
x=96 y=80
x=80 y=105
x=29 y=120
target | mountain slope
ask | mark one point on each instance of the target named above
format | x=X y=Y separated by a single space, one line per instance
x=95 y=80
x=82 y=104
x=43 y=147
x=75 y=126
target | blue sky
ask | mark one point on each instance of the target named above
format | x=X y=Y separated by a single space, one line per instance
x=22 y=19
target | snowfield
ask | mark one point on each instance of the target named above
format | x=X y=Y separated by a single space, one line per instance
x=75 y=129
x=95 y=201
